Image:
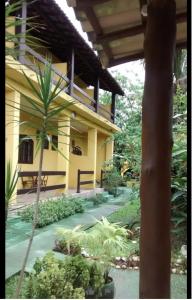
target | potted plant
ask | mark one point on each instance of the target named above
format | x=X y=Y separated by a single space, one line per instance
x=105 y=241
x=102 y=243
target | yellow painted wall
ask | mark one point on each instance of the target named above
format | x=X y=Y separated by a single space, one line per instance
x=12 y=129
x=88 y=91
x=84 y=162
x=62 y=68
x=10 y=30
x=50 y=158
x=80 y=139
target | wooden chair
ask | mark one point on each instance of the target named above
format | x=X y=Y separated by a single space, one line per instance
x=27 y=182
x=43 y=181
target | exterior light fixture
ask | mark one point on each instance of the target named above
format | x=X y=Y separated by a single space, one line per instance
x=73 y=115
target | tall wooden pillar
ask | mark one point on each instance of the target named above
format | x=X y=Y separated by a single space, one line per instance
x=71 y=72
x=155 y=248
x=113 y=106
x=96 y=94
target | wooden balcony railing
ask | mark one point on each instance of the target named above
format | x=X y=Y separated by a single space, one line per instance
x=91 y=102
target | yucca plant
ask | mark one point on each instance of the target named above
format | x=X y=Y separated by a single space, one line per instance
x=43 y=115
x=16 y=38
x=11 y=179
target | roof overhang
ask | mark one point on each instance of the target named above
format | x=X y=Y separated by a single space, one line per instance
x=116 y=28
x=60 y=36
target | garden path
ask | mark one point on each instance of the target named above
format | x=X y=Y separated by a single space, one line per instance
x=127 y=284
x=45 y=238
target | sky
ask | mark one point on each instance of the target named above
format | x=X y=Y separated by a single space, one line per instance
x=133 y=70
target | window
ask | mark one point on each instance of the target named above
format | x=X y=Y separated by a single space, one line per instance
x=25 y=155
x=54 y=140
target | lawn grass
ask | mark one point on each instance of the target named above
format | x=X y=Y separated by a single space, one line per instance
x=126 y=214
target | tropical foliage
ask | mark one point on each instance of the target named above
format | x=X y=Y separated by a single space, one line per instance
x=179 y=168
x=102 y=242
x=128 y=117
x=128 y=141
x=112 y=178
x=11 y=179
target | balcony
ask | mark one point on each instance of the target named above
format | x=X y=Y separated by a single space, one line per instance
x=28 y=57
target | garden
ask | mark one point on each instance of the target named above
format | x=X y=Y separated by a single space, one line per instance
x=81 y=260
x=86 y=243
x=89 y=253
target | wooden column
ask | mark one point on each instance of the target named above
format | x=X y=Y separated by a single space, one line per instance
x=22 y=31
x=113 y=106
x=71 y=72
x=96 y=94
x=155 y=248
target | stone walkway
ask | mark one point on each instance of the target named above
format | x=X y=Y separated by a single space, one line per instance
x=45 y=239
x=127 y=284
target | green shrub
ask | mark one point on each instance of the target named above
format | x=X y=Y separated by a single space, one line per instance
x=112 y=179
x=51 y=211
x=98 y=199
x=126 y=214
x=63 y=279
x=48 y=281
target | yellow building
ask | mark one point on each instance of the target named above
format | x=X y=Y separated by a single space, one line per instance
x=89 y=123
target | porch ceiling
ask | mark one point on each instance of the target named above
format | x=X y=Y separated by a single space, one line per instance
x=116 y=28
x=78 y=126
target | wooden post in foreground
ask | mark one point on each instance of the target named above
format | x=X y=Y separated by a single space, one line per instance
x=155 y=248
